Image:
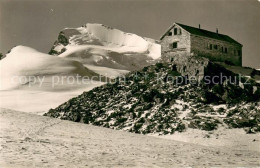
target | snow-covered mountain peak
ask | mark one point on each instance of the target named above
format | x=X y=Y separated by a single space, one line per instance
x=93 y=36
x=114 y=36
x=106 y=35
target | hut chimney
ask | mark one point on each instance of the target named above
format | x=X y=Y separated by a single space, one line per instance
x=217 y=30
x=199 y=26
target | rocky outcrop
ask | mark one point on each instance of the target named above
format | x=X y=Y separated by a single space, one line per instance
x=158 y=99
x=63 y=41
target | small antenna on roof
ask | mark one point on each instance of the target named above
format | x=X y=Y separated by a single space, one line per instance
x=199 y=26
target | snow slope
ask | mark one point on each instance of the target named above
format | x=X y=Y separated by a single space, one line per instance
x=100 y=45
x=24 y=62
x=51 y=142
x=36 y=82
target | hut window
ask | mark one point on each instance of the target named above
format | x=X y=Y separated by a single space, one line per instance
x=215 y=47
x=175 y=31
x=179 y=31
x=226 y=50
x=174 y=45
x=169 y=33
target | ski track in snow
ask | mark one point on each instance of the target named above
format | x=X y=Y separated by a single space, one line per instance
x=52 y=143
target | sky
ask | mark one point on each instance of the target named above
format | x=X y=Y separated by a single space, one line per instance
x=37 y=23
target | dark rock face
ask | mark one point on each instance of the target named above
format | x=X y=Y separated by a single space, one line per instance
x=162 y=99
x=1 y=56
x=63 y=40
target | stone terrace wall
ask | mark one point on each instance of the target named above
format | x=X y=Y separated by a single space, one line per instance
x=197 y=68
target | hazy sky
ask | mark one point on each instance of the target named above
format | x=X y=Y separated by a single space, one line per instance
x=37 y=23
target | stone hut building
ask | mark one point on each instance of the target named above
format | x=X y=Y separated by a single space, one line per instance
x=181 y=39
